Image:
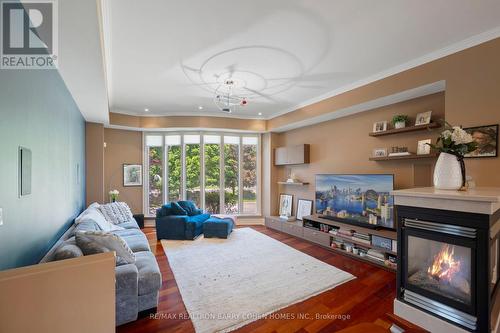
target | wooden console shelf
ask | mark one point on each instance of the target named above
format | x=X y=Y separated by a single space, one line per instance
x=406 y=129
x=296 y=184
x=324 y=239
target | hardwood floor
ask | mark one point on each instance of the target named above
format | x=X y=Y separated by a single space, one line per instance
x=366 y=299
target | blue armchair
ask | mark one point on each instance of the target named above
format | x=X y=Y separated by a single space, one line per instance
x=179 y=220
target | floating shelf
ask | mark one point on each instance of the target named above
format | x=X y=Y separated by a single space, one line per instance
x=406 y=157
x=406 y=129
x=296 y=184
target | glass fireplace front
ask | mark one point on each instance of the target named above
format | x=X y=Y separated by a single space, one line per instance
x=440 y=268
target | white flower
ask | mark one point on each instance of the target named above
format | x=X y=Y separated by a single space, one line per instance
x=446 y=134
x=114 y=192
x=459 y=136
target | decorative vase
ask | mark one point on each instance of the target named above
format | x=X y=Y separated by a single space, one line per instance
x=400 y=124
x=449 y=172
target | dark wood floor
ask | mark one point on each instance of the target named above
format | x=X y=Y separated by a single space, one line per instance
x=365 y=299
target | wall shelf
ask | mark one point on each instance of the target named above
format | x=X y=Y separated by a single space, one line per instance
x=393 y=131
x=406 y=157
x=294 y=183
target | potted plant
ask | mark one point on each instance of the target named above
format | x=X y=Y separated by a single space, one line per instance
x=453 y=143
x=399 y=120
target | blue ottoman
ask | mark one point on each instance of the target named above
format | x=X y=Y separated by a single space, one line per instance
x=217 y=228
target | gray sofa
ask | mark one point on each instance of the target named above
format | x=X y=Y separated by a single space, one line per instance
x=138 y=284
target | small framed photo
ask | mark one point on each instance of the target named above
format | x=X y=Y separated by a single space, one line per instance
x=486 y=138
x=423 y=147
x=380 y=126
x=132 y=175
x=423 y=118
x=286 y=202
x=304 y=208
x=380 y=152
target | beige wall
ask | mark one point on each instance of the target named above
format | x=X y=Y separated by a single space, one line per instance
x=122 y=147
x=94 y=162
x=472 y=97
x=75 y=295
x=344 y=146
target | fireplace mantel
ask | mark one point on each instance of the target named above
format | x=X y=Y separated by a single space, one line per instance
x=485 y=200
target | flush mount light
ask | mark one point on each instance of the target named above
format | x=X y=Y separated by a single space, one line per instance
x=146 y=110
x=260 y=113
x=200 y=107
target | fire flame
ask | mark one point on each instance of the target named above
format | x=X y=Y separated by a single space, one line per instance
x=444 y=265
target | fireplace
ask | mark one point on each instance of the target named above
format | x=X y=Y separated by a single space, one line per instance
x=440 y=266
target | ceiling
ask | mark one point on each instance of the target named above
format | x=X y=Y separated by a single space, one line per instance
x=170 y=56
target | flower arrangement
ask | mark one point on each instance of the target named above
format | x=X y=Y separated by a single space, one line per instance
x=113 y=195
x=453 y=144
x=454 y=140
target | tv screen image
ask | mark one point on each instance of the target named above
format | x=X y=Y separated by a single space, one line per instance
x=358 y=199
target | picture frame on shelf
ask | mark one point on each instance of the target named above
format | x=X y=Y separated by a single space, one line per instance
x=423 y=147
x=304 y=208
x=285 y=204
x=380 y=126
x=379 y=152
x=423 y=118
x=132 y=175
x=486 y=138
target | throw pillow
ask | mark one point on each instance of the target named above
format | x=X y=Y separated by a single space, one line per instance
x=189 y=207
x=116 y=212
x=176 y=209
x=67 y=250
x=94 y=215
x=93 y=242
x=89 y=208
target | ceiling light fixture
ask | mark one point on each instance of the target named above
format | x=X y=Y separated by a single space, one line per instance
x=227 y=98
x=260 y=113
x=146 y=110
x=200 y=107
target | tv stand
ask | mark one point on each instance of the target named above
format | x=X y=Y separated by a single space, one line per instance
x=306 y=230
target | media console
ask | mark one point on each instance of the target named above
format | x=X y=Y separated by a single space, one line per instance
x=315 y=229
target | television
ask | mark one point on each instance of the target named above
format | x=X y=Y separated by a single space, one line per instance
x=362 y=199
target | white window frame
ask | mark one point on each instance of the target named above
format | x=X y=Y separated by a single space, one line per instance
x=202 y=171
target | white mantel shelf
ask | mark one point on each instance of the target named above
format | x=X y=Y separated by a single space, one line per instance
x=481 y=200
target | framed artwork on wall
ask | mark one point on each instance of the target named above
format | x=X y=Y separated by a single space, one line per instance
x=304 y=208
x=286 y=202
x=132 y=175
x=486 y=138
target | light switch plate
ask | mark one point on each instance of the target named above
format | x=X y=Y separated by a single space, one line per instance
x=1 y=216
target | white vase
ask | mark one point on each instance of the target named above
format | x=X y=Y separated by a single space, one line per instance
x=447 y=173
x=400 y=124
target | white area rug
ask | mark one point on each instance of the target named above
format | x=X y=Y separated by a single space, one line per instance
x=226 y=284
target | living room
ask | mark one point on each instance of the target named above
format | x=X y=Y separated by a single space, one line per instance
x=280 y=166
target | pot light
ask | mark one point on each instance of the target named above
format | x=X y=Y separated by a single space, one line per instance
x=200 y=107
x=146 y=110
x=260 y=113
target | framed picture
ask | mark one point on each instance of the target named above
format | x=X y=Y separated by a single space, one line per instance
x=423 y=118
x=286 y=201
x=304 y=208
x=423 y=147
x=486 y=138
x=132 y=175
x=380 y=126
x=379 y=152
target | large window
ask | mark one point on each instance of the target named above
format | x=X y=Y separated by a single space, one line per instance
x=218 y=171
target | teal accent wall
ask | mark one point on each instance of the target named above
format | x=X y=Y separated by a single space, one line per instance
x=38 y=112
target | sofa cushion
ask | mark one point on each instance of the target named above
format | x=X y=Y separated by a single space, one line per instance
x=137 y=242
x=128 y=232
x=198 y=218
x=93 y=242
x=67 y=250
x=116 y=212
x=149 y=273
x=94 y=214
x=130 y=225
x=189 y=207
x=88 y=225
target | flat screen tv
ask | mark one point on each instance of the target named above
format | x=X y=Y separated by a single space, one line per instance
x=363 y=199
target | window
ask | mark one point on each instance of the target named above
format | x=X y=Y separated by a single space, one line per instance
x=154 y=146
x=218 y=171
